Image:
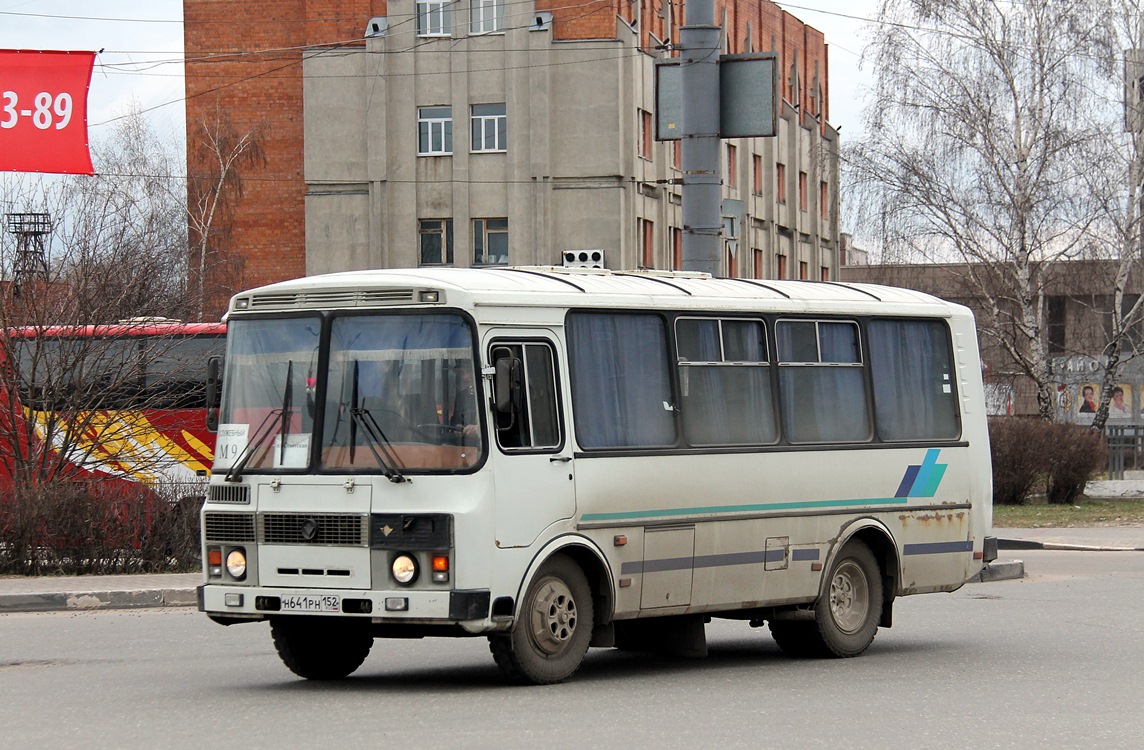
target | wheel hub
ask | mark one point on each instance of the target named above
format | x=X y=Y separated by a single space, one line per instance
x=553 y=619
x=849 y=597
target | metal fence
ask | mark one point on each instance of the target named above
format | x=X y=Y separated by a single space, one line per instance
x=1125 y=449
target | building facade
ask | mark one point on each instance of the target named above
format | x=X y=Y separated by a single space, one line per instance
x=1076 y=314
x=485 y=132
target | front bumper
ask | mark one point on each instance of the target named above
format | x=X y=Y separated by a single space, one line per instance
x=399 y=606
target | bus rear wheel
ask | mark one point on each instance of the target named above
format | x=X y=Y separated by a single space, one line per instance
x=553 y=627
x=320 y=649
x=846 y=616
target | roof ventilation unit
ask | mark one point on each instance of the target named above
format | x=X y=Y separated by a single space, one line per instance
x=583 y=258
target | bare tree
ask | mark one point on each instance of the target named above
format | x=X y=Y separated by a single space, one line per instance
x=980 y=143
x=220 y=154
x=113 y=251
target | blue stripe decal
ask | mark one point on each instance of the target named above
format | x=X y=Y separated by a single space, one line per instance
x=937 y=548
x=907 y=482
x=703 y=561
x=802 y=555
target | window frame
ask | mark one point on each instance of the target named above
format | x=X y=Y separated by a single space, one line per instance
x=428 y=11
x=479 y=17
x=558 y=397
x=447 y=249
x=481 y=123
x=483 y=231
x=431 y=124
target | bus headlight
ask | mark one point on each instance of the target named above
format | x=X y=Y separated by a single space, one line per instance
x=404 y=569
x=236 y=563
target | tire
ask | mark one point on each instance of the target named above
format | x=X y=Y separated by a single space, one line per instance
x=553 y=627
x=846 y=616
x=318 y=649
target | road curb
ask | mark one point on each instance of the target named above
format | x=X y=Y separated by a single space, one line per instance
x=98 y=600
x=1027 y=544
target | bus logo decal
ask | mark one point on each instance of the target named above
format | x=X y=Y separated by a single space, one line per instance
x=922 y=481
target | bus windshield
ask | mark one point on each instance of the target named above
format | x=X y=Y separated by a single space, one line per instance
x=401 y=395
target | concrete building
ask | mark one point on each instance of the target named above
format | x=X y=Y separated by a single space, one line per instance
x=484 y=132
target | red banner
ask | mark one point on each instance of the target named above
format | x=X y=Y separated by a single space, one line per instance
x=43 y=111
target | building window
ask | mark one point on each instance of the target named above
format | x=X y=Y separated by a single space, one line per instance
x=780 y=266
x=645 y=135
x=803 y=270
x=732 y=176
x=647 y=242
x=780 y=183
x=758 y=263
x=433 y=18
x=802 y=191
x=757 y=174
x=677 y=248
x=490 y=242
x=1056 y=324
x=490 y=127
x=436 y=242
x=677 y=154
x=732 y=265
x=434 y=131
x=485 y=16
x=822 y=196
x=825 y=273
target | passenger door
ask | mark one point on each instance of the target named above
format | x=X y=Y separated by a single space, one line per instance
x=535 y=485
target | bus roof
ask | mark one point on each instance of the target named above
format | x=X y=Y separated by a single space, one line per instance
x=560 y=287
x=124 y=328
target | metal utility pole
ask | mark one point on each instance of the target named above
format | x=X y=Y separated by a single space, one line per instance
x=702 y=180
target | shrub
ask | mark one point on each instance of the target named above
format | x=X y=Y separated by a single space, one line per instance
x=1017 y=446
x=1028 y=452
x=93 y=527
x=1075 y=455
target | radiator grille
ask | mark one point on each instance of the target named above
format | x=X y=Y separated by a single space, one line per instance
x=313 y=528
x=229 y=527
x=238 y=494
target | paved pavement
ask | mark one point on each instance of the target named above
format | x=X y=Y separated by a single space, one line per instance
x=64 y=593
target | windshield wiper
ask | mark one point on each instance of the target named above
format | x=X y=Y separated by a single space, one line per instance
x=359 y=415
x=264 y=429
x=252 y=445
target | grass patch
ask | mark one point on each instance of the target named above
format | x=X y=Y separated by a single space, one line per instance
x=1037 y=514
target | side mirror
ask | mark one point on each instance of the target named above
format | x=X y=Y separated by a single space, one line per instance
x=214 y=392
x=507 y=393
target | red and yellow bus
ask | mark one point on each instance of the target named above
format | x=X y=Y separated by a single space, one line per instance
x=120 y=402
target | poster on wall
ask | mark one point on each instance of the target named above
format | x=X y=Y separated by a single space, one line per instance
x=1089 y=398
x=43 y=111
x=1120 y=404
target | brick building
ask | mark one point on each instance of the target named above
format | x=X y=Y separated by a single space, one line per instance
x=483 y=132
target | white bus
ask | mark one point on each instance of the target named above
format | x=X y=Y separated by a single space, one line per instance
x=556 y=459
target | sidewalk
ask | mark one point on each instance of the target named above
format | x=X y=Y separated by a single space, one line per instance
x=76 y=593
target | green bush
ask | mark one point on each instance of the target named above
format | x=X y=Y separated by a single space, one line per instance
x=1031 y=453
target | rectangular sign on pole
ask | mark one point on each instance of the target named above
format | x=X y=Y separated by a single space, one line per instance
x=43 y=111
x=748 y=97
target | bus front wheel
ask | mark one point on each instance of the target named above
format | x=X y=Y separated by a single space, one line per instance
x=318 y=648
x=552 y=629
x=846 y=616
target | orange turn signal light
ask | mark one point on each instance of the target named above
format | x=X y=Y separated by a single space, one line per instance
x=214 y=556
x=441 y=563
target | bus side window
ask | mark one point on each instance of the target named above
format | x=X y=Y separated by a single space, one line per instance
x=527 y=417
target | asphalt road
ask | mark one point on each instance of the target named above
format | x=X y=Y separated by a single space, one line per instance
x=1054 y=660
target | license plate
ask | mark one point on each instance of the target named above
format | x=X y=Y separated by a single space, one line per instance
x=325 y=603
